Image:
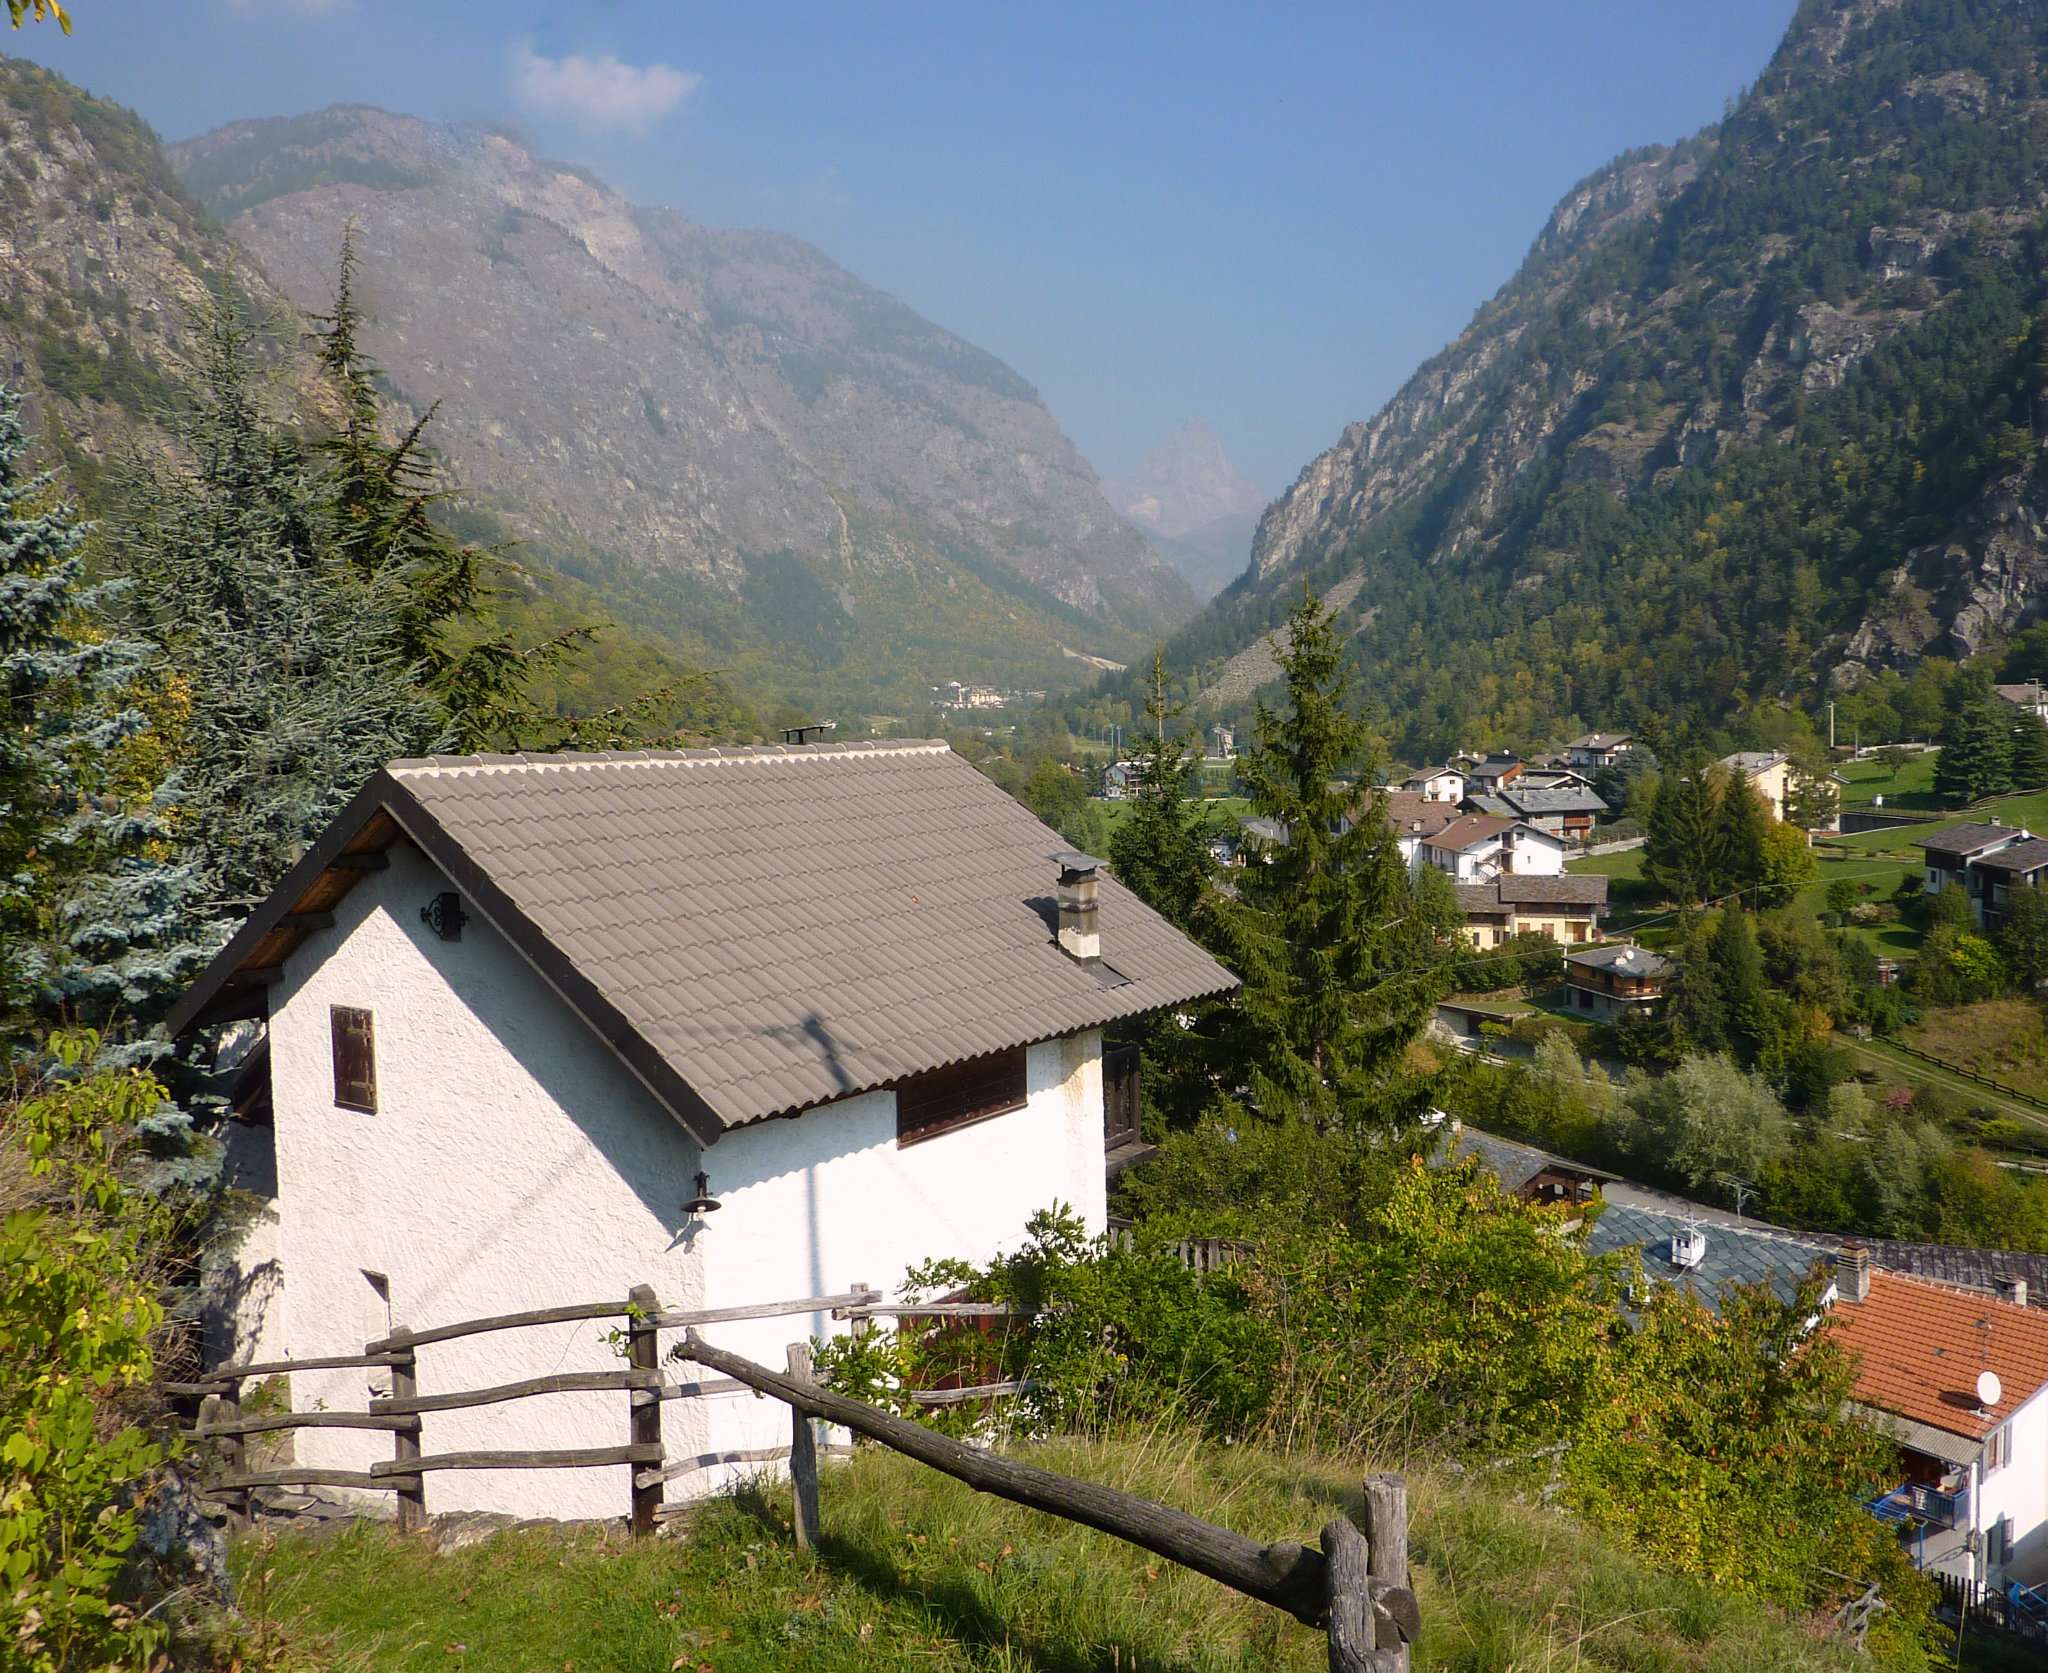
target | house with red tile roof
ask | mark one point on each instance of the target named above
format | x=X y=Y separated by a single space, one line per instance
x=1959 y=1379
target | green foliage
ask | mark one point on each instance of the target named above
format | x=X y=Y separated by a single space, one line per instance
x=1340 y=956
x=78 y=1309
x=1059 y=797
x=2023 y=938
x=1706 y=1122
x=1161 y=849
x=1976 y=743
x=1685 y=851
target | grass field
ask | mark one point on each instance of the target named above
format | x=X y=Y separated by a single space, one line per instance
x=1911 y=787
x=2006 y=1039
x=1224 y=810
x=917 y=1571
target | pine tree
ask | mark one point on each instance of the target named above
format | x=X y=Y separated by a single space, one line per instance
x=2023 y=937
x=2030 y=753
x=1745 y=824
x=84 y=937
x=1341 y=960
x=1695 y=1017
x=1682 y=849
x=1739 y=970
x=1161 y=849
x=1976 y=756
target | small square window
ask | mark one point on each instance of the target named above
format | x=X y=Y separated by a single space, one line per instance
x=959 y=1096
x=355 y=1058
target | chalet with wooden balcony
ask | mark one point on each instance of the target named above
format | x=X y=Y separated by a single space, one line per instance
x=1613 y=982
x=1961 y=857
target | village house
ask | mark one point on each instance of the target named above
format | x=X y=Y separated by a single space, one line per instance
x=1486 y=773
x=1704 y=1257
x=523 y=1022
x=1436 y=784
x=1960 y=858
x=1524 y=1171
x=1566 y=813
x=1222 y=743
x=1478 y=847
x=1553 y=778
x=1769 y=773
x=1613 y=982
x=2022 y=866
x=1122 y=780
x=1595 y=750
x=1414 y=820
x=2029 y=697
x=1566 y=909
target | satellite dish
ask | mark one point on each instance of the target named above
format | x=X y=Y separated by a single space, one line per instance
x=1989 y=1389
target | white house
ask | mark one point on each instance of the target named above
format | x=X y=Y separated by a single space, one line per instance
x=1121 y=780
x=1974 y=859
x=1769 y=772
x=1436 y=784
x=1598 y=749
x=2028 y=696
x=1478 y=847
x=1959 y=1380
x=516 y=1012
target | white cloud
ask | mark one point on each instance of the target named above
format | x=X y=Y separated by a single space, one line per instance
x=599 y=91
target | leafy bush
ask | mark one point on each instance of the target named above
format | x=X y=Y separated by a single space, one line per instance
x=77 y=1313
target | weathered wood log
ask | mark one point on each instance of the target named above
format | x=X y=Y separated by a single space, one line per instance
x=685 y=1320
x=980 y=1391
x=233 y=1458
x=1386 y=1534
x=1353 y=1635
x=284 y=1367
x=711 y=1460
x=939 y=1310
x=1286 y=1575
x=305 y=1420
x=572 y=1458
x=689 y=1391
x=310 y=1478
x=564 y=1382
x=217 y=1385
x=405 y=1445
x=643 y=1423
x=803 y=1455
x=569 y=1314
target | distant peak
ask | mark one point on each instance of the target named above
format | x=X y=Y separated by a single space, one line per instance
x=1185 y=483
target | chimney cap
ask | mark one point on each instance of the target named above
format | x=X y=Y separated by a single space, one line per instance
x=1075 y=865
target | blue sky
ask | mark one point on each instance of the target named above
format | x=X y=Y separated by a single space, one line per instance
x=1264 y=216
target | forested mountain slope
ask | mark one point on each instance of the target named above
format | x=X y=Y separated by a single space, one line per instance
x=1758 y=414
x=785 y=468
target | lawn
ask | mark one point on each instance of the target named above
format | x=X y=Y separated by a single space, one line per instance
x=2006 y=1039
x=1911 y=787
x=917 y=1571
x=1223 y=811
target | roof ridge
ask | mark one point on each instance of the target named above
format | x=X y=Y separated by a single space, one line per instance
x=572 y=760
x=1963 y=1292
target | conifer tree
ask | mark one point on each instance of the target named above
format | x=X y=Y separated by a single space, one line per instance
x=1739 y=971
x=1976 y=756
x=1695 y=1017
x=1682 y=849
x=1341 y=960
x=1161 y=850
x=2030 y=753
x=1745 y=824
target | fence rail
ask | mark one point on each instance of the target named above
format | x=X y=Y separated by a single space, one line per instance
x=1896 y=1044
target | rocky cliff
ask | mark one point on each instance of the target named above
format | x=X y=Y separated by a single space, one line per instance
x=1756 y=417
x=1194 y=504
x=759 y=448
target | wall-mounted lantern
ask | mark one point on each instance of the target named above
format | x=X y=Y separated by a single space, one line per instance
x=444 y=915
x=703 y=1202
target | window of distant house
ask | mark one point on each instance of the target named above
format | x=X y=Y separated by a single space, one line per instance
x=355 y=1058
x=959 y=1095
x=1998 y=1448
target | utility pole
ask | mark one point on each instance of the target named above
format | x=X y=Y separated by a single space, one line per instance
x=1831 y=726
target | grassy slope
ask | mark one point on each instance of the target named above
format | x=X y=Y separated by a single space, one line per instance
x=918 y=1571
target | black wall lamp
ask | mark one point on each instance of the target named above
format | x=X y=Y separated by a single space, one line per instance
x=703 y=1202
x=444 y=916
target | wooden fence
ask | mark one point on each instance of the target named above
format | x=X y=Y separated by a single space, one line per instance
x=1356 y=1587
x=1893 y=1043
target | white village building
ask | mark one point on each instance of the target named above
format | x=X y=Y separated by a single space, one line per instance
x=512 y=1008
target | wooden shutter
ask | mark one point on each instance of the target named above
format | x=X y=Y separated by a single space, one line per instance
x=959 y=1095
x=1121 y=1122
x=355 y=1058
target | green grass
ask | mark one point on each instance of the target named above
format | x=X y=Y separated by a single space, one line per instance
x=1224 y=811
x=1901 y=1070
x=2006 y=1039
x=917 y=1571
x=1912 y=787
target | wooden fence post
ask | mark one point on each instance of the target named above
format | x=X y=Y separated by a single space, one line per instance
x=405 y=1443
x=1386 y=1533
x=228 y=1410
x=643 y=1350
x=803 y=1455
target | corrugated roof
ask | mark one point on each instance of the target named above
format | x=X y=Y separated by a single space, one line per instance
x=1968 y=839
x=1919 y=1348
x=761 y=930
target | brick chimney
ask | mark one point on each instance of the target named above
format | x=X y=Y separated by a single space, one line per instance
x=1852 y=1272
x=1077 y=933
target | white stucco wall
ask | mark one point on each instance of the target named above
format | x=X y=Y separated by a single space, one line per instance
x=513 y=1163
x=815 y=1205
x=2020 y=1491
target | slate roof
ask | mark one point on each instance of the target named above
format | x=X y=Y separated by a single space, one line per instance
x=1512 y=1163
x=2027 y=694
x=2026 y=856
x=1967 y=839
x=1635 y=961
x=1919 y=1347
x=1492 y=807
x=1600 y=740
x=1562 y=890
x=1754 y=761
x=756 y=931
x=1535 y=802
x=1479 y=897
x=1732 y=1257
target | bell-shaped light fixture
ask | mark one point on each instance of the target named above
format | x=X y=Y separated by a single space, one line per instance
x=703 y=1202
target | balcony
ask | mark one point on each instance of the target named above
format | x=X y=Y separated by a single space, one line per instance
x=1916 y=1502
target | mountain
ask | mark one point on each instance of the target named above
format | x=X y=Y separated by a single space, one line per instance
x=787 y=471
x=1758 y=417
x=1196 y=507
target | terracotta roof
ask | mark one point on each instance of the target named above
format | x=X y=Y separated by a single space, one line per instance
x=756 y=930
x=1919 y=1348
x=1968 y=839
x=1406 y=810
x=1465 y=833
